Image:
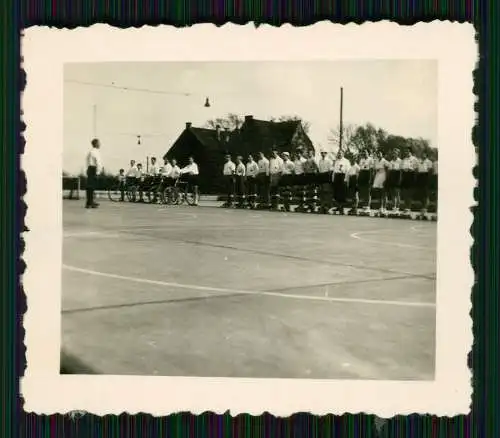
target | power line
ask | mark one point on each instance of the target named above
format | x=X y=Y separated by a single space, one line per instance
x=141 y=90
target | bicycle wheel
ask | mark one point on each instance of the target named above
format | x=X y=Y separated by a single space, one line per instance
x=115 y=193
x=189 y=197
x=167 y=195
x=132 y=193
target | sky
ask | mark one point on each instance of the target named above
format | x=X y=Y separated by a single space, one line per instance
x=399 y=96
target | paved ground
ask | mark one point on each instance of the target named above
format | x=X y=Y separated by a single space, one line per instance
x=202 y=291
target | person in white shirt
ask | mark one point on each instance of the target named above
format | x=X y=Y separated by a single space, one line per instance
x=132 y=180
x=122 y=184
x=325 y=169
x=325 y=165
x=424 y=170
x=378 y=188
x=139 y=182
x=94 y=167
x=299 y=163
x=287 y=181
x=409 y=166
x=339 y=179
x=153 y=168
x=275 y=172
x=152 y=181
x=393 y=183
x=365 y=178
x=240 y=173
x=311 y=181
x=229 y=175
x=132 y=171
x=175 y=172
x=252 y=172
x=299 y=181
x=166 y=174
x=191 y=173
x=263 y=181
x=352 y=182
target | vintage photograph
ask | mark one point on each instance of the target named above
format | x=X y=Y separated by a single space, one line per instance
x=250 y=219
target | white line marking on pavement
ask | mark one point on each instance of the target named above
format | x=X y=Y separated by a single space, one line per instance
x=381 y=242
x=248 y=292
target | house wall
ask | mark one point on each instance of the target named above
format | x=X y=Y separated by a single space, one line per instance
x=209 y=162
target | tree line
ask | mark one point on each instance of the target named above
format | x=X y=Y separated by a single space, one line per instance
x=355 y=138
x=367 y=137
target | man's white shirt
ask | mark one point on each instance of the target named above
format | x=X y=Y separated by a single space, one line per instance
x=154 y=170
x=94 y=159
x=288 y=167
x=252 y=168
x=275 y=166
x=191 y=169
x=229 y=168
x=325 y=165
x=263 y=164
x=409 y=163
x=175 y=172
x=424 y=166
x=299 y=165
x=240 y=169
x=166 y=170
x=133 y=172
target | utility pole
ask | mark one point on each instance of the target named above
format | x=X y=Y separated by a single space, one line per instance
x=341 y=117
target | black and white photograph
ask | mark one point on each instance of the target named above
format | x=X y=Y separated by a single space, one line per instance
x=260 y=220
x=229 y=225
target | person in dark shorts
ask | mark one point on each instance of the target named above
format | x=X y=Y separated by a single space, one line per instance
x=252 y=172
x=275 y=172
x=286 y=182
x=122 y=184
x=94 y=168
x=191 y=173
x=424 y=171
x=339 y=179
x=325 y=174
x=394 y=181
x=263 y=181
x=228 y=173
x=365 y=179
x=311 y=182
x=408 y=181
x=353 y=189
x=240 y=176
x=140 y=179
x=299 y=184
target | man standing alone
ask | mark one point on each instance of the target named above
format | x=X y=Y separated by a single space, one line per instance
x=94 y=167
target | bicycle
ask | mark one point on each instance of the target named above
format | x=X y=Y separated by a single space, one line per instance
x=117 y=191
x=179 y=194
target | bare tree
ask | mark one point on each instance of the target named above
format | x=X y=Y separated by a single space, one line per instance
x=231 y=121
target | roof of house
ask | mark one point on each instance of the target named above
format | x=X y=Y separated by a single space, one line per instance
x=253 y=136
x=208 y=137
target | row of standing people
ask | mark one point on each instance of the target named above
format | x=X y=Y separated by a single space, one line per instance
x=269 y=182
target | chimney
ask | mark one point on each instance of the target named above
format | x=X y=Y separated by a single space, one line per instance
x=188 y=125
x=248 y=118
x=217 y=132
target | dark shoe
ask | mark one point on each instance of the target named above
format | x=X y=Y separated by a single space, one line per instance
x=95 y=205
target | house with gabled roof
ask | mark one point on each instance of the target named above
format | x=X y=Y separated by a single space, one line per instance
x=208 y=146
